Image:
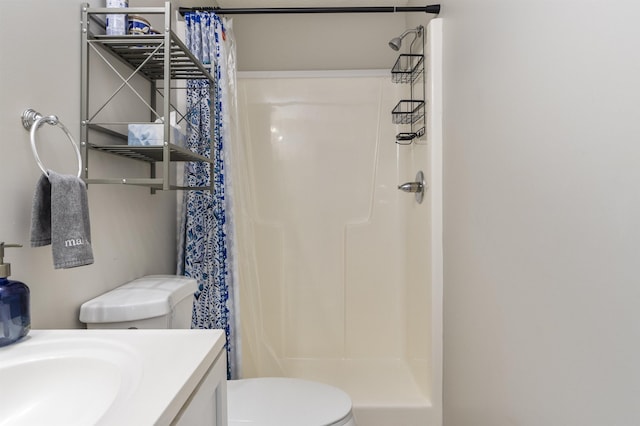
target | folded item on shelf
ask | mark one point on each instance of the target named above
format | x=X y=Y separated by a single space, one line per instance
x=152 y=134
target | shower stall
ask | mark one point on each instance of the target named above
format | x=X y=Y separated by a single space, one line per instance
x=340 y=272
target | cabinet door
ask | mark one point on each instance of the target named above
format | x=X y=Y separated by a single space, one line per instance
x=207 y=405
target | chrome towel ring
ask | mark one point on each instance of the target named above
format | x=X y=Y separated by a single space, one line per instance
x=32 y=120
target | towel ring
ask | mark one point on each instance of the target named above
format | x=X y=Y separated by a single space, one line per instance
x=32 y=120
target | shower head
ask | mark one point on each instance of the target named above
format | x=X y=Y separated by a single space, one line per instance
x=396 y=42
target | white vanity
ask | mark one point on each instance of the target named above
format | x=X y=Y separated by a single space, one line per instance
x=115 y=377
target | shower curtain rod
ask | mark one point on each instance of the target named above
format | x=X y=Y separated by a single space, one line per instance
x=434 y=8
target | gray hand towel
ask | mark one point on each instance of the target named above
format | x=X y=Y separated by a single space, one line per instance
x=60 y=217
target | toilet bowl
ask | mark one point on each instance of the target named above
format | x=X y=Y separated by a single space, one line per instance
x=166 y=301
x=279 y=401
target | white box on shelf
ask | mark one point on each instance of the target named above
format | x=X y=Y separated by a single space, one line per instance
x=152 y=134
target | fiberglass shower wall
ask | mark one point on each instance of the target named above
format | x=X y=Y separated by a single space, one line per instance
x=335 y=285
x=340 y=273
x=317 y=191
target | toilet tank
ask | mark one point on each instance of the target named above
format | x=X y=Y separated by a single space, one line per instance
x=153 y=301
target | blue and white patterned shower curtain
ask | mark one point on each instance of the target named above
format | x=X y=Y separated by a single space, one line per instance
x=207 y=252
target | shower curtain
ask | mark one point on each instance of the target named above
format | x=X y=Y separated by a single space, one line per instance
x=206 y=230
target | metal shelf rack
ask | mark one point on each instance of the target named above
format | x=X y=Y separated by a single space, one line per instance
x=158 y=58
x=409 y=69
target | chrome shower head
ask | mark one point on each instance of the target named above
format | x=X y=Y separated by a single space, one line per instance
x=396 y=42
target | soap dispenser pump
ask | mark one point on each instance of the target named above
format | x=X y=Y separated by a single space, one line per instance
x=15 y=318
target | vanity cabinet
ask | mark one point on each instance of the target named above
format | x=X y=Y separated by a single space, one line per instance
x=207 y=405
x=161 y=59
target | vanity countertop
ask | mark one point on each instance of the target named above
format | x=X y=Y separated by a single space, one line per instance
x=104 y=377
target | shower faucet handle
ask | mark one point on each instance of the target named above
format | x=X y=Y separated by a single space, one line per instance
x=411 y=187
x=418 y=187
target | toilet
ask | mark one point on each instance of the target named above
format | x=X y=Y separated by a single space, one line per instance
x=281 y=401
x=166 y=301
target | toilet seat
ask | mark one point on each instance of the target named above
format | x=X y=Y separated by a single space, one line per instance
x=278 y=401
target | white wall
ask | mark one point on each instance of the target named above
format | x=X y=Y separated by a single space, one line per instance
x=542 y=213
x=133 y=232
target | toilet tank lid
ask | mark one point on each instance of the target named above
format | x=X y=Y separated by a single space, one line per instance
x=146 y=297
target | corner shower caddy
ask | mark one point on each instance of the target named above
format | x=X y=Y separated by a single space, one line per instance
x=409 y=69
x=158 y=58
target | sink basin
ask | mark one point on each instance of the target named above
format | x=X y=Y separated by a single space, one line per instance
x=65 y=381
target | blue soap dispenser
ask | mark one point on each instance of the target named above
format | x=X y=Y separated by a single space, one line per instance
x=15 y=318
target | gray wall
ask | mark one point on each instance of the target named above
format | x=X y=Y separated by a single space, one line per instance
x=133 y=232
x=320 y=41
x=542 y=213
x=317 y=41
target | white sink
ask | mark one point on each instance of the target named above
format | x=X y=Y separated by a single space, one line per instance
x=101 y=377
x=65 y=381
